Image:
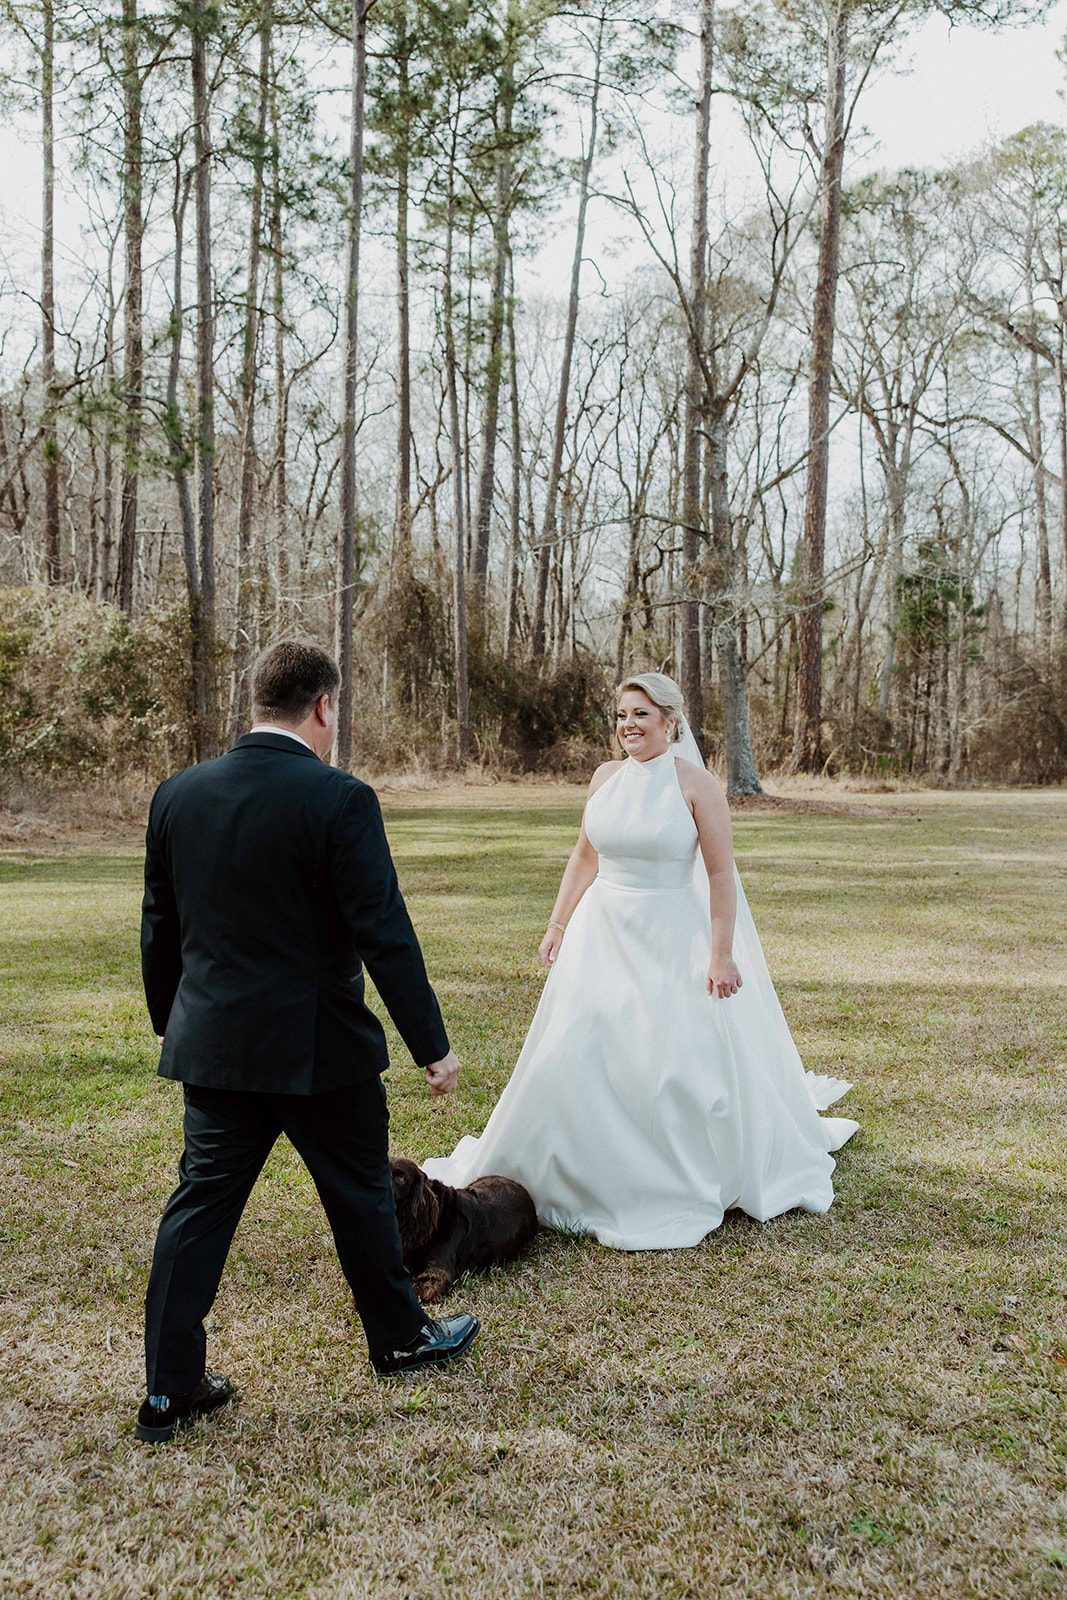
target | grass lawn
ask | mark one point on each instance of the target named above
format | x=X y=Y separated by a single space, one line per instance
x=866 y=1403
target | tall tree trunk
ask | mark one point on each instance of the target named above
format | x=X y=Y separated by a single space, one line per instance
x=555 y=468
x=96 y=497
x=281 y=398
x=346 y=602
x=807 y=736
x=106 y=552
x=241 y=707
x=133 y=351
x=483 y=509
x=695 y=397
x=848 y=677
x=50 y=438
x=402 y=534
x=179 y=461
x=1044 y=569
x=205 y=373
x=633 y=582
x=943 y=756
x=741 y=775
x=459 y=530
x=468 y=354
x=848 y=672
x=511 y=616
x=105 y=556
x=1061 y=429
x=959 y=705
x=895 y=487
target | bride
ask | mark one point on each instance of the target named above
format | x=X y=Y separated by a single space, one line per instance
x=659 y=1084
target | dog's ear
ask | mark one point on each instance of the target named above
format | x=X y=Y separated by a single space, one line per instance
x=422 y=1211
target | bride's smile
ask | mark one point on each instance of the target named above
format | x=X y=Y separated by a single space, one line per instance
x=641 y=726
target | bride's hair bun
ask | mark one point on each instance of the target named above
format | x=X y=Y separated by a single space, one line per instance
x=663 y=692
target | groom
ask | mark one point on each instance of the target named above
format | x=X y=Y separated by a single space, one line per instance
x=268 y=881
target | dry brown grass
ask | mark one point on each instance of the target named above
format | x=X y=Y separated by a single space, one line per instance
x=866 y=1403
x=38 y=813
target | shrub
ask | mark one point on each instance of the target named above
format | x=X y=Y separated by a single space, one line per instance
x=556 y=722
x=1026 y=740
x=84 y=692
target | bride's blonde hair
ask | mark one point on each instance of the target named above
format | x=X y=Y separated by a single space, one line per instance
x=664 y=694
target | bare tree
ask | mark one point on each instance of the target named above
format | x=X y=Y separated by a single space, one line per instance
x=598 y=24
x=807 y=737
x=494 y=368
x=242 y=698
x=347 y=535
x=511 y=602
x=459 y=499
x=180 y=460
x=200 y=27
x=133 y=312
x=49 y=435
x=903 y=315
x=693 y=534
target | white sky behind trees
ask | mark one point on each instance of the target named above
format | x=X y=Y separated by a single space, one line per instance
x=949 y=91
x=966 y=86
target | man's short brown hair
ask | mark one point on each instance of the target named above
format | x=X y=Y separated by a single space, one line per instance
x=288 y=679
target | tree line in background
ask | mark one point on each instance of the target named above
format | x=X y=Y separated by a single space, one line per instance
x=301 y=372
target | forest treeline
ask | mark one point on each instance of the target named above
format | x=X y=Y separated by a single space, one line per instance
x=325 y=349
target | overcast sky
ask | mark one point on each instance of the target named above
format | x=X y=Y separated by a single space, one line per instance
x=949 y=91
x=952 y=90
x=967 y=85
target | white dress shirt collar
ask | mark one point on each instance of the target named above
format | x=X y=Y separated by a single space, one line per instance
x=268 y=727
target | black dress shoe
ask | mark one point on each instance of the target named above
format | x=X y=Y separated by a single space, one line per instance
x=438 y=1341
x=161 y=1415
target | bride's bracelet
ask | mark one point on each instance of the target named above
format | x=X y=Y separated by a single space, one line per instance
x=558 y=925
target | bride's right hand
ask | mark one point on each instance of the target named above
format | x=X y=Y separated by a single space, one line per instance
x=548 y=949
x=723 y=977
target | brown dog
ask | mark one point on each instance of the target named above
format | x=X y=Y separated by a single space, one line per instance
x=447 y=1232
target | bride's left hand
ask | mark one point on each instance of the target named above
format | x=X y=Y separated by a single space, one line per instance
x=723 y=977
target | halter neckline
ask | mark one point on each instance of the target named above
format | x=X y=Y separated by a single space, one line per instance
x=653 y=761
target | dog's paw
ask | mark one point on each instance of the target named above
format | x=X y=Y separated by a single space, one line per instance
x=432 y=1286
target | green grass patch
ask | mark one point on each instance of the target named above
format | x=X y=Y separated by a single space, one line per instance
x=866 y=1403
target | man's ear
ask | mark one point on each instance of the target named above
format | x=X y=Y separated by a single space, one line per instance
x=322 y=707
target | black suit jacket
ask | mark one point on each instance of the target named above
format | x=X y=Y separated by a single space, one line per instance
x=268 y=880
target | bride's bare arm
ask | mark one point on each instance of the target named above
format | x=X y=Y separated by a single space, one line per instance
x=578 y=874
x=704 y=796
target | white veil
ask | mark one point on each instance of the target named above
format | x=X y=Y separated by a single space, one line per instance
x=686 y=746
x=748 y=952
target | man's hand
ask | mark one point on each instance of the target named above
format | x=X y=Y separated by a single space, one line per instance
x=441 y=1076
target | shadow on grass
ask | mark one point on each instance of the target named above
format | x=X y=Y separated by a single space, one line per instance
x=74 y=870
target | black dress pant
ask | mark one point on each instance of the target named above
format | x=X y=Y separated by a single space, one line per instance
x=342 y=1136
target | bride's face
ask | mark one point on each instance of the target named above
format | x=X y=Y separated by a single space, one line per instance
x=641 y=727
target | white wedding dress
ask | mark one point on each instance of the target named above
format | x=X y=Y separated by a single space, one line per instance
x=640 y=1108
